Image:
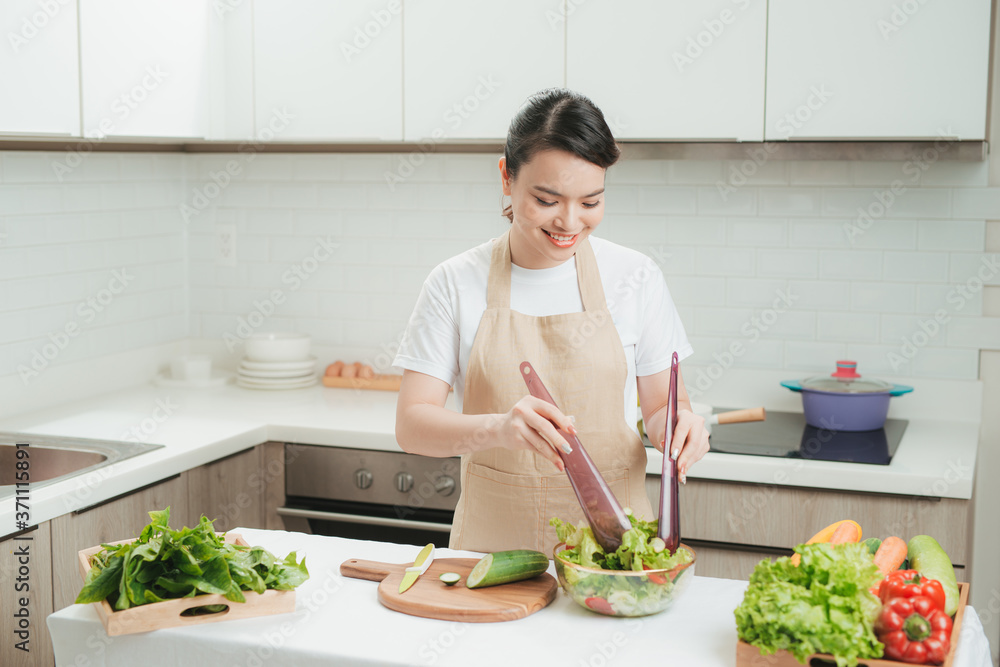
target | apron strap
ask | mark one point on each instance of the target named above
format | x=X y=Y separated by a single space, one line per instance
x=498 y=284
x=588 y=276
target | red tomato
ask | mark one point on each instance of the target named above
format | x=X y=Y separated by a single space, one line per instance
x=600 y=604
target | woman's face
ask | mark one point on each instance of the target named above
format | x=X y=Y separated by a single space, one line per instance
x=557 y=199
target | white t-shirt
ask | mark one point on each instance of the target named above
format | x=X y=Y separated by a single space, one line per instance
x=443 y=326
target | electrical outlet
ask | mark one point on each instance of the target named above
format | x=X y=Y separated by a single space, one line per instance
x=225 y=245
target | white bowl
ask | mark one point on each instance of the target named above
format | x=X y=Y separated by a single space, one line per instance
x=278 y=346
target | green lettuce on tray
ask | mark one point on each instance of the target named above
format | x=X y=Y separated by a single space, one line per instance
x=166 y=564
x=823 y=605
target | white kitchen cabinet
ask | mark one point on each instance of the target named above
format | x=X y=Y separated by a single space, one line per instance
x=470 y=65
x=144 y=68
x=877 y=69
x=671 y=69
x=230 y=61
x=329 y=70
x=38 y=68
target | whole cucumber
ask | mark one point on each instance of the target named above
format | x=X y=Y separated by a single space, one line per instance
x=930 y=560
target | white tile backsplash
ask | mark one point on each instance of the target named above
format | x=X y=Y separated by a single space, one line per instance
x=860 y=285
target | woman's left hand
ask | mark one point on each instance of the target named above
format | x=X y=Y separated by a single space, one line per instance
x=690 y=441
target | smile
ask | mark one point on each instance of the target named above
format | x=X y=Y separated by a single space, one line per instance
x=561 y=240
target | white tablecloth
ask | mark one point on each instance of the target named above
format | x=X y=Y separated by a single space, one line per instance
x=338 y=621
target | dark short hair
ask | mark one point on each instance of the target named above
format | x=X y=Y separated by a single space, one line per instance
x=558 y=119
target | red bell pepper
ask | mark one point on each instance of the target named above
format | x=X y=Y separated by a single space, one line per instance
x=908 y=584
x=914 y=629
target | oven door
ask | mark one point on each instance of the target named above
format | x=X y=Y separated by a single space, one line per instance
x=360 y=521
x=369 y=495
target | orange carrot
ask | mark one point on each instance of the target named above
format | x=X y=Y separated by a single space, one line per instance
x=845 y=532
x=890 y=555
x=826 y=535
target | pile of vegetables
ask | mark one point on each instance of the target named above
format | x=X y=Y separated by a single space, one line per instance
x=165 y=564
x=640 y=550
x=847 y=598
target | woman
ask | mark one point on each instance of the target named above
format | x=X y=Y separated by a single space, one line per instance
x=594 y=319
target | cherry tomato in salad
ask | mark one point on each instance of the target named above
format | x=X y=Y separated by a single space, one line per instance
x=600 y=604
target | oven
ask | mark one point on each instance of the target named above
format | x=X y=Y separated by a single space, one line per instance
x=369 y=495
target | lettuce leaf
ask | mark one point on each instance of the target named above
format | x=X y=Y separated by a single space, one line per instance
x=821 y=606
x=165 y=564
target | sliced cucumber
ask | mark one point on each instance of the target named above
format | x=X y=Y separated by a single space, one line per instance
x=450 y=578
x=504 y=567
x=930 y=560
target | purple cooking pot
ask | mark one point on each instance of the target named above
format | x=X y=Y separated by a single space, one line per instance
x=843 y=401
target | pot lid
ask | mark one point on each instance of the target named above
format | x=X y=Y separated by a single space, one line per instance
x=846 y=380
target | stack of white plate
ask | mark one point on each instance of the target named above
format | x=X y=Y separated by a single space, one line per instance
x=277 y=361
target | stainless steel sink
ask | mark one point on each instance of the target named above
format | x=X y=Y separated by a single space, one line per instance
x=53 y=458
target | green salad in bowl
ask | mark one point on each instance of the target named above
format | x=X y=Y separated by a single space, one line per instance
x=639 y=578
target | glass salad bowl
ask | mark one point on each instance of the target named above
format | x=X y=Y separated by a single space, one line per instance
x=623 y=592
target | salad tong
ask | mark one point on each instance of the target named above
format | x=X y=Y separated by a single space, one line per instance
x=669 y=525
x=603 y=512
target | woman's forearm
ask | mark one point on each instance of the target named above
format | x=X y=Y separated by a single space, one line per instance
x=432 y=430
x=656 y=425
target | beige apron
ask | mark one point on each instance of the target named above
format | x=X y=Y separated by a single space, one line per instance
x=509 y=496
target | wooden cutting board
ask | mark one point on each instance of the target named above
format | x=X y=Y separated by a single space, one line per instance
x=429 y=597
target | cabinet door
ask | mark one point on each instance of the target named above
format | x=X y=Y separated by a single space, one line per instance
x=671 y=69
x=879 y=69
x=230 y=491
x=330 y=70
x=119 y=519
x=39 y=594
x=144 y=67
x=470 y=65
x=38 y=67
x=726 y=562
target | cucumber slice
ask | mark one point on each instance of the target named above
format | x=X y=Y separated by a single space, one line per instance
x=504 y=567
x=930 y=560
x=450 y=578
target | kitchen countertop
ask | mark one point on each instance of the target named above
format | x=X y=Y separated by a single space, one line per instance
x=198 y=426
x=339 y=621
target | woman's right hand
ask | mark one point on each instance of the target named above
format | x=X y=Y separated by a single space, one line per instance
x=530 y=425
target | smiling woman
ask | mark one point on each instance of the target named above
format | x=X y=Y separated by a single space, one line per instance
x=593 y=318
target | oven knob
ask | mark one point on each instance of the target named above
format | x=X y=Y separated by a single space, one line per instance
x=404 y=482
x=445 y=485
x=363 y=478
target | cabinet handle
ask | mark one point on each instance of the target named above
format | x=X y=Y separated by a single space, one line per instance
x=123 y=495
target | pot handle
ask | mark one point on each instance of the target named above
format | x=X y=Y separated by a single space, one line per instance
x=796 y=385
x=900 y=389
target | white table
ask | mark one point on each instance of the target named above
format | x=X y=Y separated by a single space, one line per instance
x=338 y=621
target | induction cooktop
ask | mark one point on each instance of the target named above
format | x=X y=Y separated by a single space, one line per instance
x=786 y=434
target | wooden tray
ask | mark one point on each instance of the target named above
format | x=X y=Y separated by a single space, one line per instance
x=167 y=614
x=380 y=382
x=749 y=656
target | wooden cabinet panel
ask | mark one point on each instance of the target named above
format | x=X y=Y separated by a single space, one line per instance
x=780 y=517
x=230 y=491
x=727 y=563
x=118 y=519
x=39 y=594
